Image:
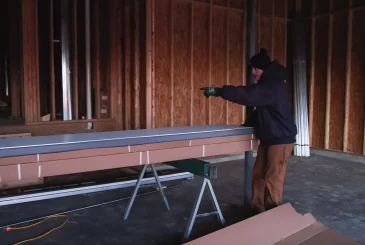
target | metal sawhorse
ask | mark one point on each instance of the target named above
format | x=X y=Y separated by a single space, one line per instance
x=207 y=171
x=196 y=167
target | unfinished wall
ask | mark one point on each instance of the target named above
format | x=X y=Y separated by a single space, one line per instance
x=203 y=43
x=337 y=64
x=117 y=65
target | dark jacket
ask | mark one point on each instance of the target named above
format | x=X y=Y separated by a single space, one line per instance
x=272 y=119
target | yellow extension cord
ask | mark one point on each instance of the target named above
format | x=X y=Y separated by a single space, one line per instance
x=45 y=234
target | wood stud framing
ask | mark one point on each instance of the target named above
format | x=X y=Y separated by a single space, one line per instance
x=344 y=115
x=312 y=65
x=14 y=58
x=156 y=92
x=328 y=92
x=136 y=63
x=218 y=41
x=75 y=80
x=348 y=77
x=30 y=61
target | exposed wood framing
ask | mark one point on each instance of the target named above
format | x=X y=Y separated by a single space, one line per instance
x=127 y=112
x=171 y=46
x=353 y=8
x=14 y=59
x=311 y=93
x=149 y=64
x=205 y=46
x=153 y=67
x=75 y=81
x=272 y=28
x=51 y=57
x=30 y=61
x=136 y=31
x=286 y=32
x=244 y=58
x=210 y=3
x=192 y=64
x=210 y=59
x=115 y=91
x=60 y=127
x=227 y=61
x=258 y=25
x=348 y=77
x=328 y=92
x=96 y=56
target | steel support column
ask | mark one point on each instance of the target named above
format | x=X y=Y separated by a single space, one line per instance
x=65 y=49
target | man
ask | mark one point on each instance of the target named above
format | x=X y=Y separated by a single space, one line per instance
x=273 y=123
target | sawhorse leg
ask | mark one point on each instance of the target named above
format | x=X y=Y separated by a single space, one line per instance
x=249 y=164
x=131 y=201
x=194 y=214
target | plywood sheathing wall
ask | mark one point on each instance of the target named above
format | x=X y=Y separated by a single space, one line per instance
x=203 y=43
x=337 y=64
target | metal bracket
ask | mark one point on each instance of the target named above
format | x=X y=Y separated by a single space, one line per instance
x=194 y=214
x=138 y=185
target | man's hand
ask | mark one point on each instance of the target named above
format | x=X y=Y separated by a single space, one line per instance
x=211 y=91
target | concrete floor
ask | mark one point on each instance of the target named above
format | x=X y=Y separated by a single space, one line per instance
x=330 y=189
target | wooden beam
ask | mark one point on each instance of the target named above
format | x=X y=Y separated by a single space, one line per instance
x=348 y=76
x=328 y=92
x=210 y=59
x=272 y=28
x=207 y=3
x=191 y=64
x=51 y=62
x=258 y=24
x=286 y=32
x=153 y=66
x=30 y=61
x=171 y=64
x=149 y=62
x=96 y=56
x=311 y=93
x=355 y=8
x=227 y=62
x=127 y=107
x=115 y=50
x=244 y=56
x=75 y=67
x=14 y=59
x=136 y=31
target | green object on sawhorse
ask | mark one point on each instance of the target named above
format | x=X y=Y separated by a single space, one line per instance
x=196 y=167
x=207 y=171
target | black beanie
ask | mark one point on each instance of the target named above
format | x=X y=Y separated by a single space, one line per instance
x=260 y=60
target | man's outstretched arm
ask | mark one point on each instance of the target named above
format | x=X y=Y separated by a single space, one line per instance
x=250 y=95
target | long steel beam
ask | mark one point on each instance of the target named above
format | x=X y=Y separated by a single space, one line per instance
x=26 y=198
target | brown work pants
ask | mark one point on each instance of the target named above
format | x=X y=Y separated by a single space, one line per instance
x=268 y=176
